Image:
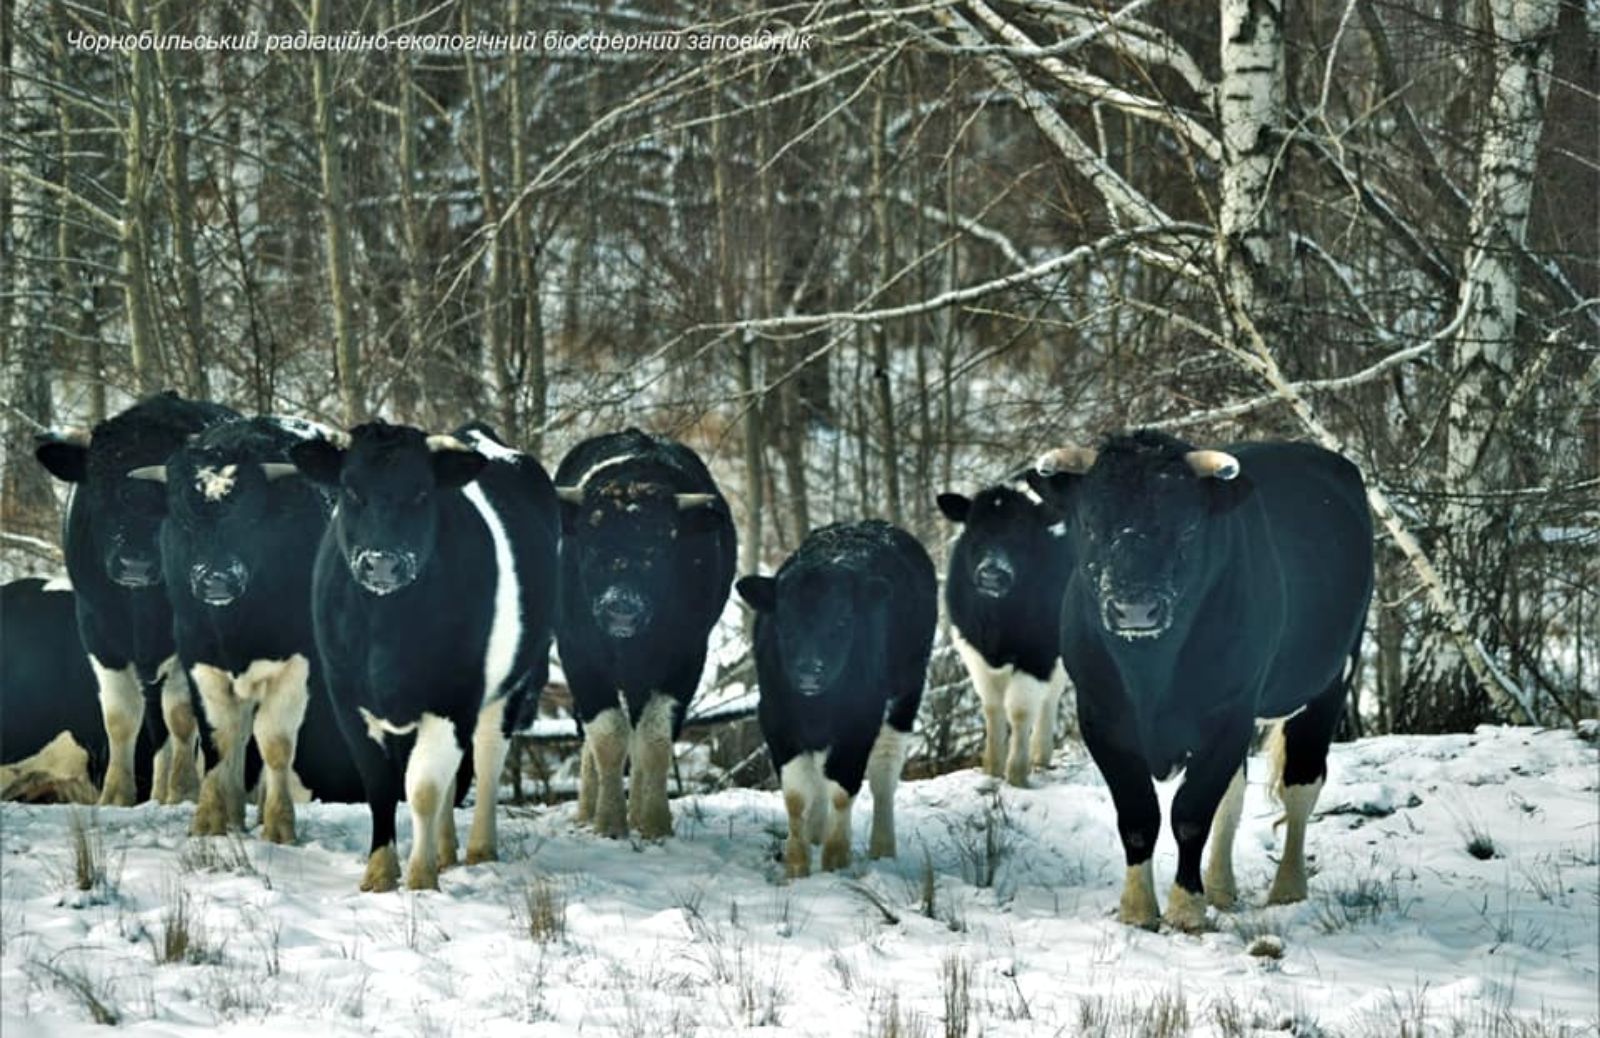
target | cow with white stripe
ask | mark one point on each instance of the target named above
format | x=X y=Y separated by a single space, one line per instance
x=647 y=561
x=124 y=618
x=238 y=541
x=432 y=602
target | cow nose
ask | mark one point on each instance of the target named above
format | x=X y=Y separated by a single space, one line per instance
x=808 y=673
x=621 y=611
x=382 y=571
x=217 y=585
x=135 y=570
x=1142 y=613
x=993 y=576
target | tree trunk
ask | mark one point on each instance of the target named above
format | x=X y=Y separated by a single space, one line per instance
x=1475 y=549
x=494 y=304
x=143 y=346
x=529 y=308
x=174 y=72
x=347 y=357
x=881 y=375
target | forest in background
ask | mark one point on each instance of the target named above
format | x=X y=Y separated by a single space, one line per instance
x=903 y=253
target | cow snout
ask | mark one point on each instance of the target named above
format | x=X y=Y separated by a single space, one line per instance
x=993 y=575
x=621 y=612
x=808 y=674
x=383 y=572
x=220 y=584
x=1136 y=614
x=135 y=570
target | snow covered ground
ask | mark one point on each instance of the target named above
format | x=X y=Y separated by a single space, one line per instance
x=1456 y=891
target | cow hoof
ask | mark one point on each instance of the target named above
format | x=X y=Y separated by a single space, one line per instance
x=1186 y=911
x=479 y=855
x=383 y=871
x=835 y=856
x=881 y=848
x=797 y=858
x=420 y=878
x=655 y=825
x=119 y=789
x=1284 y=893
x=1221 y=897
x=1018 y=778
x=447 y=856
x=615 y=828
x=277 y=827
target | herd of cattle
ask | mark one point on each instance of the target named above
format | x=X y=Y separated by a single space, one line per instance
x=368 y=606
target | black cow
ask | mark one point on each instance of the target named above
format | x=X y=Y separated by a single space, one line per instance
x=46 y=686
x=1211 y=588
x=647 y=559
x=1002 y=592
x=432 y=599
x=842 y=639
x=124 y=618
x=238 y=542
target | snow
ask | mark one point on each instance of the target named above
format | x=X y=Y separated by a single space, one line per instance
x=700 y=934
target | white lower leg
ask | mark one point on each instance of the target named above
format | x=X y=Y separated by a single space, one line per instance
x=1025 y=698
x=803 y=795
x=651 y=751
x=488 y=761
x=282 y=692
x=430 y=779
x=588 y=781
x=1044 y=729
x=836 y=844
x=883 y=777
x=607 y=740
x=183 y=733
x=1290 y=884
x=221 y=804
x=1139 y=907
x=990 y=685
x=1221 y=889
x=122 y=710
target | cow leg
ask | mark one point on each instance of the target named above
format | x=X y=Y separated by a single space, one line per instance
x=122 y=710
x=991 y=688
x=1221 y=890
x=844 y=768
x=488 y=761
x=445 y=841
x=1026 y=697
x=1300 y=764
x=607 y=739
x=651 y=753
x=221 y=805
x=588 y=782
x=883 y=777
x=1044 y=731
x=1205 y=780
x=803 y=794
x=183 y=733
x=282 y=695
x=430 y=781
x=1138 y=811
x=378 y=780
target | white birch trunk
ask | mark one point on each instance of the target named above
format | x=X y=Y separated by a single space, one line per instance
x=1250 y=102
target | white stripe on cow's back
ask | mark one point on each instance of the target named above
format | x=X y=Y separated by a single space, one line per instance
x=487 y=446
x=505 y=624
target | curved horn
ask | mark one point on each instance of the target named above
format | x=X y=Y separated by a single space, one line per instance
x=446 y=442
x=571 y=495
x=1070 y=459
x=1212 y=464
x=686 y=501
x=153 y=473
x=275 y=470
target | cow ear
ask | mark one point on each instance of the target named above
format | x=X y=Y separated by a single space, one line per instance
x=1226 y=495
x=760 y=592
x=455 y=468
x=1056 y=490
x=318 y=460
x=955 y=507
x=66 y=458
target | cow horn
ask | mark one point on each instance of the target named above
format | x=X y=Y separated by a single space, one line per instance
x=1213 y=464
x=446 y=442
x=1070 y=459
x=275 y=470
x=571 y=495
x=153 y=473
x=687 y=501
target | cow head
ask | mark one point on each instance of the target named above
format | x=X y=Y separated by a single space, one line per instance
x=820 y=614
x=123 y=513
x=218 y=508
x=389 y=478
x=629 y=540
x=1005 y=534
x=1140 y=508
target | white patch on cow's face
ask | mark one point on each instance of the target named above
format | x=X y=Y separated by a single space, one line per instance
x=1058 y=529
x=213 y=483
x=377 y=727
x=306 y=429
x=61 y=583
x=505 y=628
